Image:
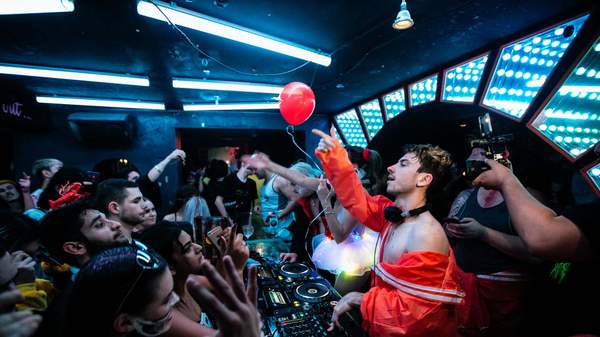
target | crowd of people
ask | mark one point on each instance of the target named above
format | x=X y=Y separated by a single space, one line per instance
x=97 y=253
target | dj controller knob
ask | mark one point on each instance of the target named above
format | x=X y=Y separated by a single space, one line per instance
x=306 y=306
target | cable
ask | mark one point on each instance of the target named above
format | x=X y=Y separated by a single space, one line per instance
x=306 y=235
x=191 y=43
x=289 y=130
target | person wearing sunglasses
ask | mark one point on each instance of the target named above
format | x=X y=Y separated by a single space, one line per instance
x=129 y=291
x=120 y=291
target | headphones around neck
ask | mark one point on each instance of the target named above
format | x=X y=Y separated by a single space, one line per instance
x=396 y=215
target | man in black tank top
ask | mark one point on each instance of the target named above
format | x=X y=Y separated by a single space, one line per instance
x=573 y=238
x=493 y=261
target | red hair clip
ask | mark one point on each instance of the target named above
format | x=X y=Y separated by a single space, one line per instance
x=366 y=154
x=68 y=193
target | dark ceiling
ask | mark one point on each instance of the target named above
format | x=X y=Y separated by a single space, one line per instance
x=368 y=56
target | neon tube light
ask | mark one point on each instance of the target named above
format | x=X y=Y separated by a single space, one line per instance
x=100 y=102
x=66 y=74
x=226 y=86
x=210 y=25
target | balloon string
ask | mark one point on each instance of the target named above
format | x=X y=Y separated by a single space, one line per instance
x=289 y=129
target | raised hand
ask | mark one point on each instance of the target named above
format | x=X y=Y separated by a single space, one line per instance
x=258 y=161
x=324 y=192
x=348 y=302
x=288 y=257
x=467 y=228
x=232 y=306
x=495 y=177
x=18 y=323
x=233 y=244
x=327 y=142
x=177 y=154
x=25 y=182
x=25 y=267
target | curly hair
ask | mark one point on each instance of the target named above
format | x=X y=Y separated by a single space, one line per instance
x=434 y=160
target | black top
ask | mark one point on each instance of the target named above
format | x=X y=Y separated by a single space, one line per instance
x=476 y=256
x=150 y=190
x=237 y=195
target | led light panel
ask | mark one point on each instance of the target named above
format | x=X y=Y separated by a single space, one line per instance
x=523 y=67
x=338 y=137
x=371 y=115
x=593 y=174
x=571 y=118
x=423 y=91
x=462 y=81
x=350 y=127
x=394 y=103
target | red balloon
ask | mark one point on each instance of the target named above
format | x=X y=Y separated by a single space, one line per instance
x=297 y=103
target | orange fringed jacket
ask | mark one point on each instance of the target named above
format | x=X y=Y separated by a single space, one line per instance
x=418 y=294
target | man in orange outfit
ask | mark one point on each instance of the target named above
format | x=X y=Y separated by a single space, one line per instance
x=414 y=291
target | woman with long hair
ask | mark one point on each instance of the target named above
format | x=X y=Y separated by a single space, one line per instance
x=122 y=291
x=188 y=205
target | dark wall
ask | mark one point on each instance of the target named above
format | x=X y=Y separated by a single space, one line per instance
x=155 y=140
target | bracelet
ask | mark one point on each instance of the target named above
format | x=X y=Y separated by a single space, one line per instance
x=329 y=211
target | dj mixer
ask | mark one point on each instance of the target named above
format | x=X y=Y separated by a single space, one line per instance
x=295 y=301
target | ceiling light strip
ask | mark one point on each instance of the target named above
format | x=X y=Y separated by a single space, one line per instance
x=75 y=75
x=231 y=106
x=210 y=25
x=108 y=103
x=8 y=7
x=226 y=86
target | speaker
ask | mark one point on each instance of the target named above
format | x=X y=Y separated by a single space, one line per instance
x=103 y=129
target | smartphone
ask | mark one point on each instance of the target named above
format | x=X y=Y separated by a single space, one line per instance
x=451 y=220
x=213 y=235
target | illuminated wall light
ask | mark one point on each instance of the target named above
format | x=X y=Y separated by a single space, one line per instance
x=350 y=127
x=527 y=63
x=394 y=103
x=371 y=113
x=462 y=88
x=185 y=18
x=572 y=105
x=424 y=91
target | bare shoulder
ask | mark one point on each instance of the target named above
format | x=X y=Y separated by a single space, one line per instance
x=169 y=217
x=428 y=235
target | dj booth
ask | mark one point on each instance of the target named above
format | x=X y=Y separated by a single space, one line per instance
x=295 y=301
